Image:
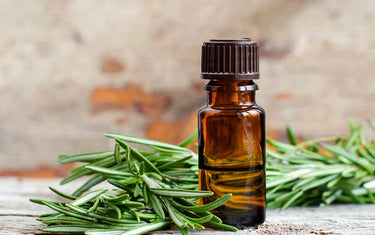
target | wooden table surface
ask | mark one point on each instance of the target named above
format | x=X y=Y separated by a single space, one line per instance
x=18 y=215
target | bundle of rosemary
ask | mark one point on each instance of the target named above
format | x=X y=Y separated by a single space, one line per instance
x=156 y=185
x=317 y=173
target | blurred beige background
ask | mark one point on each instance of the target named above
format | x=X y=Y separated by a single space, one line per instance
x=72 y=70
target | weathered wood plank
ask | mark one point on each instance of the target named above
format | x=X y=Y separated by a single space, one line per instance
x=18 y=215
x=12 y=225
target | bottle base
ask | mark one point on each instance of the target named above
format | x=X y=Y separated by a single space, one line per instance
x=242 y=219
x=246 y=207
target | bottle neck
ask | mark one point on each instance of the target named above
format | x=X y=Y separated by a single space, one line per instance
x=231 y=93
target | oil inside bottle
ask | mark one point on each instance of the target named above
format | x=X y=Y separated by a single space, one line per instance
x=247 y=204
x=232 y=161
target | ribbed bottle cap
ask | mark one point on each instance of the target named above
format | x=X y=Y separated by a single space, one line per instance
x=230 y=59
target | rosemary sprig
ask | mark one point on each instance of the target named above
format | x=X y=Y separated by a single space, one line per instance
x=154 y=187
x=321 y=171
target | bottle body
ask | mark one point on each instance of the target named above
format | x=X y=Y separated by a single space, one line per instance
x=232 y=152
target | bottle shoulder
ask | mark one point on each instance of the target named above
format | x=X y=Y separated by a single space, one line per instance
x=252 y=110
x=260 y=109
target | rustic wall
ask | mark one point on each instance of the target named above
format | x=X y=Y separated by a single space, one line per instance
x=72 y=70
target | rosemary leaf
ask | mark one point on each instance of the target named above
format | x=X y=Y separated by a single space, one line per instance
x=62 y=194
x=189 y=139
x=88 y=197
x=181 y=193
x=138 y=140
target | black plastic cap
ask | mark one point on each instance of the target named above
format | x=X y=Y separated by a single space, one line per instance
x=230 y=59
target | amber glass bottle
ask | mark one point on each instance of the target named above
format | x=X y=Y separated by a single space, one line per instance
x=232 y=132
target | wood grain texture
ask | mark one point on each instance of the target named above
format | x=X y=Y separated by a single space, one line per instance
x=18 y=215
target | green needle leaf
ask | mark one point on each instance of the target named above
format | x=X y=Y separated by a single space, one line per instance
x=292 y=199
x=181 y=193
x=144 y=141
x=145 y=193
x=200 y=220
x=180 y=222
x=174 y=163
x=333 y=197
x=116 y=208
x=108 y=171
x=221 y=226
x=146 y=228
x=189 y=139
x=93 y=208
x=85 y=157
x=89 y=184
x=156 y=205
x=127 y=149
x=117 y=154
x=291 y=137
x=69 y=228
x=88 y=197
x=167 y=150
x=319 y=182
x=62 y=194
x=105 y=231
x=207 y=207
x=137 y=190
x=67 y=212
